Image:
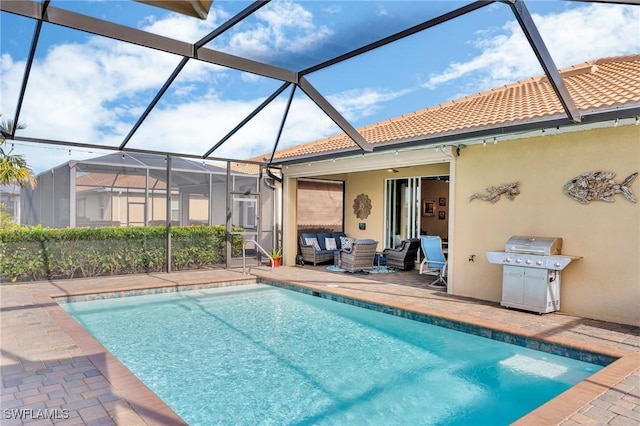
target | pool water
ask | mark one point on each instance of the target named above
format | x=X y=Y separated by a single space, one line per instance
x=258 y=354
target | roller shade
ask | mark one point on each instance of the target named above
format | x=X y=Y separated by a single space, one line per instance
x=320 y=204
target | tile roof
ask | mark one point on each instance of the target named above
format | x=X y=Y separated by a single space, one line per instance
x=93 y=180
x=593 y=85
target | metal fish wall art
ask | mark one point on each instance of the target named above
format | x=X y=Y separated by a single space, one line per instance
x=599 y=186
x=509 y=190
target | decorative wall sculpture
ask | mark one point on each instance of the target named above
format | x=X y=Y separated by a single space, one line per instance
x=509 y=190
x=599 y=186
x=362 y=206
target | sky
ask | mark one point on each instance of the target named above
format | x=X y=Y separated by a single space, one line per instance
x=88 y=89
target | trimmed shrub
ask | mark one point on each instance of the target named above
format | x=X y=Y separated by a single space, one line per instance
x=29 y=254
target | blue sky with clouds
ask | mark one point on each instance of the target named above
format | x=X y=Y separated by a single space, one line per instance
x=88 y=89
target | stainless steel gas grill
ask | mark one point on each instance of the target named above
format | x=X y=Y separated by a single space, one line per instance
x=531 y=272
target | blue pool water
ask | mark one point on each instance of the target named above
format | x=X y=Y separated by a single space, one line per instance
x=258 y=354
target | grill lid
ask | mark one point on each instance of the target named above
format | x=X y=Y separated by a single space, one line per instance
x=547 y=246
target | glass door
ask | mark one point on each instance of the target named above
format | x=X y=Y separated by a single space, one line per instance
x=402 y=211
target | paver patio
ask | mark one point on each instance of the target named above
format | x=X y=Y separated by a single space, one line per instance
x=51 y=367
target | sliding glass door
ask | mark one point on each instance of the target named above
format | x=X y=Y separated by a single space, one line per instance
x=402 y=211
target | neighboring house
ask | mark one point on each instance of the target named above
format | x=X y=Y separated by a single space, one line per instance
x=131 y=190
x=426 y=166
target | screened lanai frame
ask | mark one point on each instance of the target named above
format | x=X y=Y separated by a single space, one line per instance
x=130 y=189
x=290 y=76
x=293 y=71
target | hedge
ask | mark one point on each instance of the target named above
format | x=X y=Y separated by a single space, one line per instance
x=29 y=254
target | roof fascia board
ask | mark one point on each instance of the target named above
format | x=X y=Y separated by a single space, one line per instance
x=126 y=34
x=361 y=163
x=530 y=30
x=334 y=115
x=507 y=131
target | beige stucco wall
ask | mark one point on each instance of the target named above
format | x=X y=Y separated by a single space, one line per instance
x=371 y=183
x=605 y=284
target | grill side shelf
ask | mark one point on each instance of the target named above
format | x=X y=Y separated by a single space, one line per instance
x=555 y=262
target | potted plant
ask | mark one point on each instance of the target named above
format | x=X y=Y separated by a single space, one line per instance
x=276 y=255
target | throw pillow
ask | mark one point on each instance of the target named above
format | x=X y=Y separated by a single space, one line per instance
x=346 y=242
x=331 y=243
x=313 y=242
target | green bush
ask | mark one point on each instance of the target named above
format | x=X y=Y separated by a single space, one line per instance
x=28 y=254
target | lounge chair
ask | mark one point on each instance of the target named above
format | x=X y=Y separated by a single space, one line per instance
x=360 y=257
x=434 y=262
x=403 y=257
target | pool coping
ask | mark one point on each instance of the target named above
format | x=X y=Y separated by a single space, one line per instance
x=553 y=411
x=154 y=411
x=151 y=408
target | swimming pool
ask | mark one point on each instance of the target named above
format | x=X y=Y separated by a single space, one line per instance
x=263 y=355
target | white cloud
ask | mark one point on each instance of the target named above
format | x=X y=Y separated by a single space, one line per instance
x=358 y=104
x=572 y=36
x=282 y=27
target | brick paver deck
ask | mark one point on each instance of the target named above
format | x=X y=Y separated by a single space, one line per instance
x=54 y=372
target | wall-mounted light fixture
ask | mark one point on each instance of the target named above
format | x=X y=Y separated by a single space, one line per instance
x=392 y=170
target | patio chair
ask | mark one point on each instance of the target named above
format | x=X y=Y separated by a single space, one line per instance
x=403 y=257
x=360 y=257
x=434 y=262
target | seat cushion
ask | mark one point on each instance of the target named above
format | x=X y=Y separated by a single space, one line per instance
x=325 y=252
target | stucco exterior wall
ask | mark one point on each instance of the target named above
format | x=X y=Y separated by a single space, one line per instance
x=371 y=183
x=605 y=284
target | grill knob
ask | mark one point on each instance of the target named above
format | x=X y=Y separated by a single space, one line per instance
x=557 y=264
x=518 y=260
x=539 y=262
x=508 y=260
x=528 y=262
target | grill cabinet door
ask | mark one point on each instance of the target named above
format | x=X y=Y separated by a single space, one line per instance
x=535 y=289
x=512 y=286
x=531 y=289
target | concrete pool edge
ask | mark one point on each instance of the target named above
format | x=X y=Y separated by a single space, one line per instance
x=147 y=405
x=555 y=411
x=552 y=412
